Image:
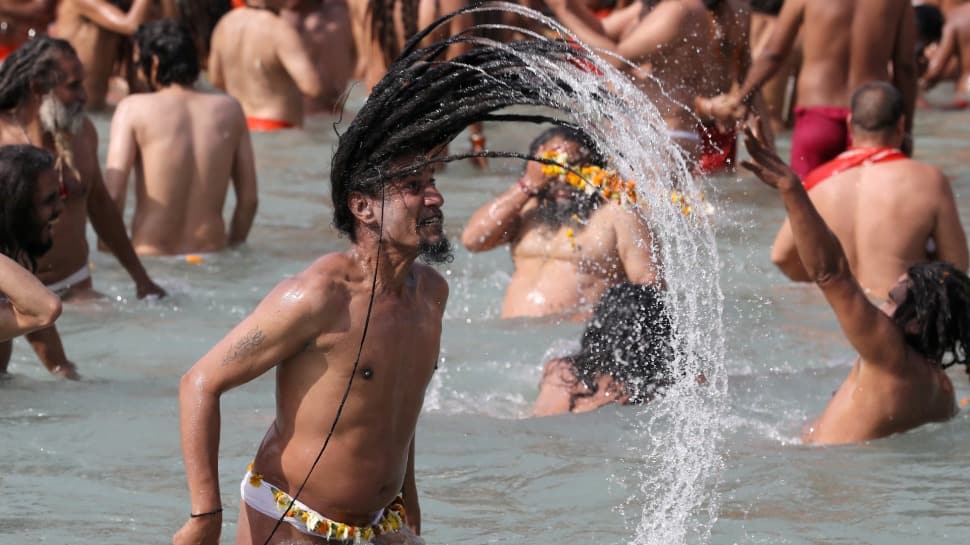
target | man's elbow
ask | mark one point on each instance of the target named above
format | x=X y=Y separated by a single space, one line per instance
x=248 y=205
x=790 y=266
x=474 y=242
x=50 y=309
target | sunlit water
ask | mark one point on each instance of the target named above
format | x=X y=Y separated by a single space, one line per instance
x=98 y=462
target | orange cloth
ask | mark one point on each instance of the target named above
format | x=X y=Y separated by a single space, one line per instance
x=6 y=50
x=719 y=150
x=261 y=124
x=238 y=4
x=850 y=159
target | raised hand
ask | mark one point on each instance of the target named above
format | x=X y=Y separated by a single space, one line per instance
x=766 y=165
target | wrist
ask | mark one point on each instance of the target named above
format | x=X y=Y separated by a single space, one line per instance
x=525 y=188
x=208 y=513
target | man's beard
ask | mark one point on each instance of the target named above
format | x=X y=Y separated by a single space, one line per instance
x=435 y=252
x=57 y=117
x=555 y=212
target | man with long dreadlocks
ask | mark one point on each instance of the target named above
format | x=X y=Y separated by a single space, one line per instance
x=355 y=337
x=568 y=246
x=262 y=61
x=95 y=28
x=41 y=103
x=898 y=381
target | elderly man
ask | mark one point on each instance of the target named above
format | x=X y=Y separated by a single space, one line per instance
x=888 y=211
x=260 y=59
x=567 y=247
x=182 y=181
x=42 y=97
x=96 y=28
x=30 y=202
x=898 y=380
x=841 y=50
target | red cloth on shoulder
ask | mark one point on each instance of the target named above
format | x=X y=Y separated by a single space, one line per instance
x=850 y=159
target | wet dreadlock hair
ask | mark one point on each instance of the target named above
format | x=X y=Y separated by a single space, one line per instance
x=424 y=102
x=628 y=338
x=171 y=43
x=938 y=300
x=33 y=69
x=383 y=28
x=20 y=167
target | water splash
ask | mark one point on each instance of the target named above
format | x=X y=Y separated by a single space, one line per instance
x=680 y=432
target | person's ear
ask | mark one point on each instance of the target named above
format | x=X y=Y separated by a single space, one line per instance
x=848 y=122
x=363 y=208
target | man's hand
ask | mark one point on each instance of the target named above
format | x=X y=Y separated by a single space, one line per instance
x=767 y=165
x=534 y=180
x=726 y=109
x=147 y=288
x=199 y=531
x=67 y=370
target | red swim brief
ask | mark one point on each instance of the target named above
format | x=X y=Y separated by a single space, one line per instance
x=261 y=125
x=719 y=150
x=820 y=133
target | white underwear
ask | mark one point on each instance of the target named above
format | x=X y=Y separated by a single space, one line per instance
x=63 y=287
x=683 y=135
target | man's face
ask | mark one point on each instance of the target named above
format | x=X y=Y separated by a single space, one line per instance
x=413 y=217
x=560 y=191
x=62 y=109
x=48 y=205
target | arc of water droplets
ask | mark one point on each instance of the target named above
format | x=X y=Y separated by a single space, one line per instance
x=680 y=432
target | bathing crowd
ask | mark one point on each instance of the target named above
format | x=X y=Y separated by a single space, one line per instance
x=878 y=231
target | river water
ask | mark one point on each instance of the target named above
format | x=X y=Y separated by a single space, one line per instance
x=98 y=461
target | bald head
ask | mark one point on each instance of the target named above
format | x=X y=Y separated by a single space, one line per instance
x=877 y=109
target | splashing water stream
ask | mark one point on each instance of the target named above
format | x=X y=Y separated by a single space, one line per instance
x=679 y=435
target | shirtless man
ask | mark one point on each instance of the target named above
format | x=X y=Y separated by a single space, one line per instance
x=258 y=58
x=764 y=18
x=898 y=380
x=95 y=29
x=888 y=211
x=21 y=20
x=184 y=159
x=41 y=103
x=954 y=46
x=567 y=247
x=326 y=29
x=30 y=202
x=842 y=49
x=311 y=328
x=668 y=40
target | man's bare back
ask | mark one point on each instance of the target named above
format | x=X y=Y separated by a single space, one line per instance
x=326 y=29
x=184 y=160
x=954 y=44
x=259 y=59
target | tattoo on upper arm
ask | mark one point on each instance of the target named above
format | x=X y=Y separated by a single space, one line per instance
x=244 y=346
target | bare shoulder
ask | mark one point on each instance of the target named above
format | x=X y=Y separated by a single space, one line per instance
x=432 y=283
x=322 y=287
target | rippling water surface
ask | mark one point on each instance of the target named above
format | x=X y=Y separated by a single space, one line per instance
x=98 y=462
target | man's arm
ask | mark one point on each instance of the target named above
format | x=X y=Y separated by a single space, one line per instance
x=244 y=185
x=876 y=337
x=498 y=222
x=941 y=57
x=904 y=68
x=216 y=77
x=50 y=351
x=410 y=491
x=108 y=17
x=948 y=233
x=25 y=304
x=785 y=256
x=281 y=326
x=107 y=221
x=122 y=150
x=296 y=60
x=634 y=241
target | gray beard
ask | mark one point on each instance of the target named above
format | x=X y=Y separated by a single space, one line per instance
x=56 y=117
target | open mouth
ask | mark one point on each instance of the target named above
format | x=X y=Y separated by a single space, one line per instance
x=433 y=220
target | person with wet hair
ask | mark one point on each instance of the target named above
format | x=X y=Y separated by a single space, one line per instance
x=348 y=402
x=182 y=182
x=258 y=58
x=953 y=51
x=96 y=29
x=42 y=100
x=568 y=246
x=624 y=355
x=29 y=203
x=898 y=381
x=889 y=212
